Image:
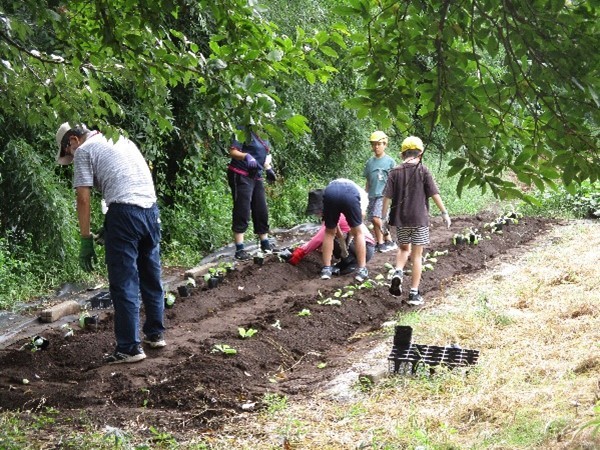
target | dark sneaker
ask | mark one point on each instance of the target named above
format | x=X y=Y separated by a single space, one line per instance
x=155 y=341
x=389 y=246
x=361 y=274
x=242 y=255
x=326 y=272
x=124 y=358
x=379 y=247
x=415 y=299
x=267 y=248
x=396 y=286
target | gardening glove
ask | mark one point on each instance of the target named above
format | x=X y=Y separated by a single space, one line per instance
x=297 y=255
x=87 y=255
x=446 y=218
x=99 y=236
x=271 y=177
x=250 y=161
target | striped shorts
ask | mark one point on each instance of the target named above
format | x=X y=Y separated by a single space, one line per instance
x=412 y=235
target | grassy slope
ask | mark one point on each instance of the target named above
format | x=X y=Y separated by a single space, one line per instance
x=535 y=321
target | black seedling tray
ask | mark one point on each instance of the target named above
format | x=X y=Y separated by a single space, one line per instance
x=101 y=300
x=407 y=358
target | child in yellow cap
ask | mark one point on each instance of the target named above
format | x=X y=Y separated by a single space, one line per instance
x=409 y=187
x=376 y=172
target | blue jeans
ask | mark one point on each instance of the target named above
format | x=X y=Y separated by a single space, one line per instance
x=132 y=236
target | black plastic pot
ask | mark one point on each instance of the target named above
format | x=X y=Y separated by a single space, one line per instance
x=212 y=282
x=184 y=291
x=259 y=260
x=169 y=303
x=91 y=322
x=40 y=343
x=459 y=240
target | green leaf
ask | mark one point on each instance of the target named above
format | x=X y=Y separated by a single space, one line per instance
x=328 y=51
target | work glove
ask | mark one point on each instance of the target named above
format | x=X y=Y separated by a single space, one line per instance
x=250 y=161
x=297 y=255
x=446 y=218
x=271 y=177
x=87 y=255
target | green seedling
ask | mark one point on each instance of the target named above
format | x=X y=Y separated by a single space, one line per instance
x=305 y=312
x=169 y=299
x=34 y=344
x=82 y=318
x=321 y=365
x=277 y=324
x=244 y=334
x=427 y=267
x=379 y=277
x=223 y=348
x=348 y=293
x=329 y=301
x=388 y=266
x=337 y=293
x=190 y=281
x=68 y=330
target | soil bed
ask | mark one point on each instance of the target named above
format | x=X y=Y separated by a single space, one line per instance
x=188 y=384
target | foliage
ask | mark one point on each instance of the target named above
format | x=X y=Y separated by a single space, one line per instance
x=559 y=203
x=514 y=85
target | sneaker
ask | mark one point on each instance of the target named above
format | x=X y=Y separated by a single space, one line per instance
x=124 y=358
x=379 y=247
x=242 y=255
x=396 y=286
x=267 y=248
x=361 y=274
x=390 y=246
x=326 y=272
x=155 y=341
x=415 y=299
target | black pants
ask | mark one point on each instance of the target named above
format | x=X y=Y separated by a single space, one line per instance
x=248 y=199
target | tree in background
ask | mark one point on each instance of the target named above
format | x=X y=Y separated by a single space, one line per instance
x=514 y=85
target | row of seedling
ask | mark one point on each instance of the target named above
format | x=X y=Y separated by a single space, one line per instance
x=469 y=235
x=497 y=225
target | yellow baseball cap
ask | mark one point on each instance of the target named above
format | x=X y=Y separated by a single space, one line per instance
x=412 y=143
x=378 y=136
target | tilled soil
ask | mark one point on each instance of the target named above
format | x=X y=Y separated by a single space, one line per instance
x=190 y=383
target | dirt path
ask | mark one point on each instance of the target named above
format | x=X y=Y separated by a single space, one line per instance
x=188 y=384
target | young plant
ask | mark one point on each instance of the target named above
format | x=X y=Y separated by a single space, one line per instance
x=329 y=301
x=190 y=281
x=223 y=348
x=169 y=300
x=246 y=333
x=305 y=312
x=68 y=330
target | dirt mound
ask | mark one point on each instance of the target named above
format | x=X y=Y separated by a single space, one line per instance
x=193 y=383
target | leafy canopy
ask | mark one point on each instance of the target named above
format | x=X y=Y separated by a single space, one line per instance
x=514 y=84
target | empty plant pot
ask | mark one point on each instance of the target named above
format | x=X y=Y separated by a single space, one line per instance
x=259 y=260
x=212 y=282
x=91 y=322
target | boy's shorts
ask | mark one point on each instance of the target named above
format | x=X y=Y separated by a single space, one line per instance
x=375 y=207
x=341 y=197
x=412 y=235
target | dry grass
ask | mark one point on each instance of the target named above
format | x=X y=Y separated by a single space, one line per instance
x=536 y=322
